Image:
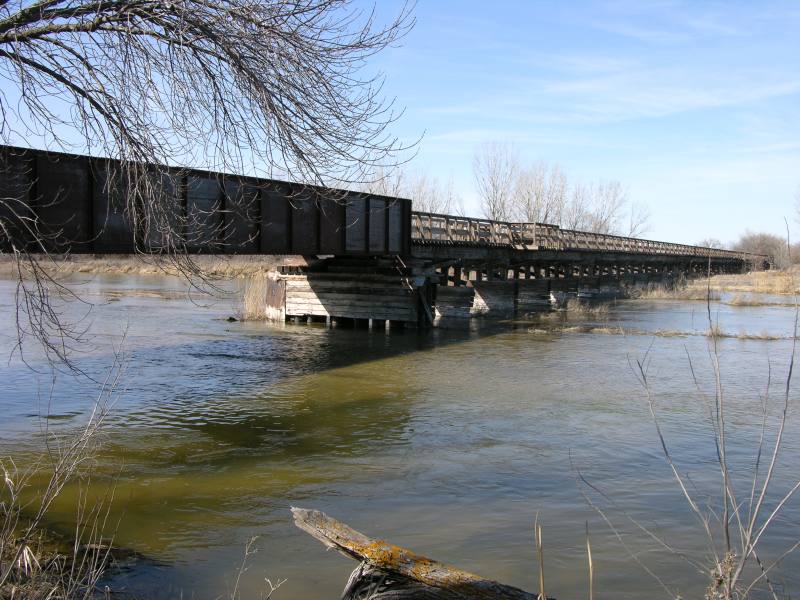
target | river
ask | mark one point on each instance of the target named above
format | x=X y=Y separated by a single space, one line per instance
x=449 y=442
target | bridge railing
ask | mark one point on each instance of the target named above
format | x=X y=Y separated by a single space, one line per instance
x=449 y=229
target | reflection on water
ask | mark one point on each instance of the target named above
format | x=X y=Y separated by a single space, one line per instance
x=448 y=442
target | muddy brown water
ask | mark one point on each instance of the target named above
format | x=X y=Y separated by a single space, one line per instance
x=449 y=442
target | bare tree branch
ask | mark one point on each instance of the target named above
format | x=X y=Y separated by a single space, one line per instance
x=257 y=87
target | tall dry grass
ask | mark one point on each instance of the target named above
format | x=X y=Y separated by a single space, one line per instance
x=662 y=292
x=775 y=282
x=756 y=282
x=580 y=309
x=253 y=303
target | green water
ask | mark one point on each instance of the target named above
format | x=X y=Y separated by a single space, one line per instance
x=448 y=442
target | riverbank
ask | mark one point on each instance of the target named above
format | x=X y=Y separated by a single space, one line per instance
x=216 y=266
x=757 y=288
x=778 y=282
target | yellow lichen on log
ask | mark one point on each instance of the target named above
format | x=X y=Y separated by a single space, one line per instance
x=453 y=582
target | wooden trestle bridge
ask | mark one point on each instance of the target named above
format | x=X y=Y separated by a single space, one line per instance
x=344 y=256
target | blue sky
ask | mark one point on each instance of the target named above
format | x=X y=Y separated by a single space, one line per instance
x=693 y=106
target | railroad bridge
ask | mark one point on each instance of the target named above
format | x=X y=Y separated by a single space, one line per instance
x=343 y=255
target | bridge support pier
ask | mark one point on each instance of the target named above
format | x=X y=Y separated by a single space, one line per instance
x=442 y=284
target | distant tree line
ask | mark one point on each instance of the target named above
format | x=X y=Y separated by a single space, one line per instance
x=510 y=190
x=779 y=247
x=760 y=243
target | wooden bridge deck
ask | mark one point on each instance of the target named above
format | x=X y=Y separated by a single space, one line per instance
x=450 y=230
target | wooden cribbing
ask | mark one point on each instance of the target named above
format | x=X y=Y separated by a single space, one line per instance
x=412 y=575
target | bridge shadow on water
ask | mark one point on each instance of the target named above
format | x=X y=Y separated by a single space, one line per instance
x=299 y=391
x=245 y=389
x=220 y=434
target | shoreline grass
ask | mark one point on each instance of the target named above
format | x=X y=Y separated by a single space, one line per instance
x=660 y=292
x=748 y=289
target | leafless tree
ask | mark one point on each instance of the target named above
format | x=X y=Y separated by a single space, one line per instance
x=384 y=182
x=258 y=87
x=765 y=243
x=578 y=211
x=232 y=85
x=428 y=194
x=711 y=243
x=495 y=168
x=530 y=192
x=556 y=196
x=639 y=220
x=609 y=199
x=542 y=194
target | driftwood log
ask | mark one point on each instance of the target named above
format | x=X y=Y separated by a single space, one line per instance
x=388 y=572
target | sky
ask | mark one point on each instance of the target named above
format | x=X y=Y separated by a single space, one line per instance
x=693 y=106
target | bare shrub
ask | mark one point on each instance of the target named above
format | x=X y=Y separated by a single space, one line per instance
x=765 y=243
x=741 y=300
x=269 y=587
x=29 y=565
x=736 y=522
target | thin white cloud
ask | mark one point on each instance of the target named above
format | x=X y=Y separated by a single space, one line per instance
x=671 y=23
x=660 y=93
x=469 y=138
x=620 y=94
